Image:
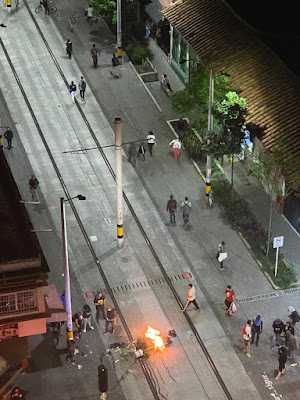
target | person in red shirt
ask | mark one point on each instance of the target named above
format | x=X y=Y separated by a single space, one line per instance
x=230 y=295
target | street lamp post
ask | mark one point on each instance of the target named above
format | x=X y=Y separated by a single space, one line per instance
x=118 y=134
x=119 y=30
x=209 y=129
x=68 y=306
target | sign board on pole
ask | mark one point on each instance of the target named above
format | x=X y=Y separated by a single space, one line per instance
x=278 y=242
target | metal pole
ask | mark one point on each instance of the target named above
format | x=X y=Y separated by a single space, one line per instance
x=276 y=262
x=68 y=306
x=119 y=30
x=209 y=129
x=118 y=133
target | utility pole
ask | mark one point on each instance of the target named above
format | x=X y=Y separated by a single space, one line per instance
x=68 y=306
x=209 y=129
x=118 y=133
x=119 y=30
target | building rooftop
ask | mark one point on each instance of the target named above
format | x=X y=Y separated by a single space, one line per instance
x=224 y=43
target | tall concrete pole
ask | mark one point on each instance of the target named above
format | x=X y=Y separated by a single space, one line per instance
x=209 y=129
x=118 y=133
x=68 y=306
x=119 y=30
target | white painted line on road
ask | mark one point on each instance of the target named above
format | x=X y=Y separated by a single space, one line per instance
x=108 y=221
x=93 y=238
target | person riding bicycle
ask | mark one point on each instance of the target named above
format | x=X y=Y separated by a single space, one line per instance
x=45 y=3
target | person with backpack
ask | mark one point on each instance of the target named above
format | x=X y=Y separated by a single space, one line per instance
x=278 y=328
x=257 y=327
x=246 y=331
x=94 y=54
x=186 y=207
x=82 y=87
x=172 y=207
x=77 y=319
x=294 y=316
x=282 y=351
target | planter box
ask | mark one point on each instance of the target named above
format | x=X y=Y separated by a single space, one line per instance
x=149 y=76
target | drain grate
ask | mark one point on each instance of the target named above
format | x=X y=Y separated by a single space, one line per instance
x=146 y=283
x=263 y=296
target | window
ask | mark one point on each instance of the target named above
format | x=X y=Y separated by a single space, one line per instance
x=17 y=303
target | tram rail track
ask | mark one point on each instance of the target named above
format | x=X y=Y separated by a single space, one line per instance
x=152 y=384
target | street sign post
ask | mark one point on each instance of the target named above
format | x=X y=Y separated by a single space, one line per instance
x=277 y=243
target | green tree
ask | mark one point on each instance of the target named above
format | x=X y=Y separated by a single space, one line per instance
x=271 y=165
x=195 y=96
x=231 y=114
x=107 y=10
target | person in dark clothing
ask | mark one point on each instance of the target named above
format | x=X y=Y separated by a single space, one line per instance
x=115 y=72
x=9 y=136
x=87 y=318
x=132 y=154
x=33 y=185
x=294 y=316
x=72 y=350
x=257 y=327
x=72 y=90
x=110 y=320
x=69 y=48
x=171 y=207
x=77 y=318
x=94 y=54
x=16 y=393
x=82 y=87
x=282 y=351
x=99 y=301
x=181 y=128
x=46 y=6
x=278 y=328
x=142 y=151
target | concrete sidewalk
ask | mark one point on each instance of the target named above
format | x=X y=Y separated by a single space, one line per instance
x=148 y=187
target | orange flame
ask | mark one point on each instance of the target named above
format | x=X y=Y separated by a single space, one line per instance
x=156 y=338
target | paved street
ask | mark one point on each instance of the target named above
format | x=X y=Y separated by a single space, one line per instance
x=181 y=371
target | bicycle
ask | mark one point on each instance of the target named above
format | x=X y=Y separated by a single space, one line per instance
x=51 y=7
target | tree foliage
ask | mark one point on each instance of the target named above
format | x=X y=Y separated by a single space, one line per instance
x=107 y=10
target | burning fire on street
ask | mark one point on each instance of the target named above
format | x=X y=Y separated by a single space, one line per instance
x=157 y=340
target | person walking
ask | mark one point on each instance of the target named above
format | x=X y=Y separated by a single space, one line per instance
x=115 y=72
x=282 y=358
x=257 y=328
x=142 y=151
x=69 y=48
x=132 y=154
x=151 y=140
x=278 y=328
x=172 y=207
x=99 y=301
x=82 y=87
x=229 y=299
x=246 y=331
x=94 y=54
x=165 y=82
x=176 y=146
x=77 y=319
x=186 y=207
x=181 y=128
x=294 y=316
x=33 y=185
x=292 y=347
x=72 y=90
x=89 y=14
x=222 y=254
x=9 y=137
x=148 y=27
x=191 y=298
x=87 y=318
x=111 y=318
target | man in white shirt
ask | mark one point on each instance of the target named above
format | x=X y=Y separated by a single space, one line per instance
x=89 y=14
x=151 y=140
x=191 y=298
x=247 y=337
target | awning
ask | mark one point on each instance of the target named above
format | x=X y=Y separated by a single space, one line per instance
x=154 y=11
x=54 y=305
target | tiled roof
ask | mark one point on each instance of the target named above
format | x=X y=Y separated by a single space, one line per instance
x=224 y=43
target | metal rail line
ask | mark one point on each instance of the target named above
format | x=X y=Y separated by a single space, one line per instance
x=130 y=207
x=87 y=239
